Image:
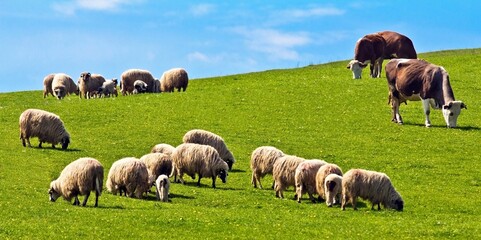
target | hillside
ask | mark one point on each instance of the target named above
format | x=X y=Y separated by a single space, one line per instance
x=314 y=112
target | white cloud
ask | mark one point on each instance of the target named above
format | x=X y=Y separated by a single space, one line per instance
x=70 y=8
x=313 y=12
x=197 y=56
x=202 y=9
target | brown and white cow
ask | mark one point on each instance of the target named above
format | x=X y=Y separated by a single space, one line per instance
x=414 y=80
x=369 y=48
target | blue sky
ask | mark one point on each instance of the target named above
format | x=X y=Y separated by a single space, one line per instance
x=211 y=38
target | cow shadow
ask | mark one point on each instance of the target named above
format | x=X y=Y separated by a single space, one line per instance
x=463 y=128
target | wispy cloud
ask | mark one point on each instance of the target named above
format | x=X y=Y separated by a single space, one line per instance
x=70 y=8
x=312 y=12
x=201 y=9
x=198 y=56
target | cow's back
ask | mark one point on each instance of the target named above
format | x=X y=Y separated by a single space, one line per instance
x=398 y=45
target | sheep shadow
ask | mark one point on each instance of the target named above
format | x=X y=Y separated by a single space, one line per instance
x=56 y=149
x=237 y=170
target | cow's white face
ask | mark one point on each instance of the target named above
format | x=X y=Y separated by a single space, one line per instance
x=451 y=112
x=356 y=67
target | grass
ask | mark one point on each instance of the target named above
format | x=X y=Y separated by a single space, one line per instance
x=313 y=112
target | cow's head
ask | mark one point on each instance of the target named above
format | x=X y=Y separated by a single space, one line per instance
x=451 y=111
x=356 y=67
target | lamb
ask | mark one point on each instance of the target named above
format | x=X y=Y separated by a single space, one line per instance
x=203 y=160
x=45 y=125
x=156 y=87
x=284 y=173
x=108 y=88
x=208 y=138
x=128 y=175
x=162 y=185
x=262 y=162
x=89 y=84
x=80 y=177
x=157 y=164
x=370 y=185
x=321 y=175
x=140 y=87
x=130 y=76
x=332 y=188
x=47 y=85
x=163 y=148
x=305 y=178
x=63 y=85
x=174 y=78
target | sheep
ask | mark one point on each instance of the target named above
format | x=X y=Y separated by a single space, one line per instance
x=208 y=138
x=128 y=175
x=157 y=164
x=370 y=185
x=156 y=87
x=163 y=148
x=321 y=175
x=45 y=125
x=162 y=185
x=332 y=189
x=63 y=85
x=174 y=78
x=305 y=178
x=284 y=173
x=140 y=87
x=108 y=88
x=47 y=85
x=203 y=160
x=80 y=177
x=262 y=162
x=89 y=84
x=131 y=75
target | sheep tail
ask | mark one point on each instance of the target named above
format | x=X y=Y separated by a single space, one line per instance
x=331 y=185
x=97 y=185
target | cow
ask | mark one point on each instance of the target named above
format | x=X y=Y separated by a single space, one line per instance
x=414 y=80
x=369 y=48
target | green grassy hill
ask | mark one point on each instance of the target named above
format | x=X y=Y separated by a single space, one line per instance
x=313 y=112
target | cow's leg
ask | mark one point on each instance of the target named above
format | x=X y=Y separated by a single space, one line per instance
x=396 y=117
x=427 y=111
x=378 y=67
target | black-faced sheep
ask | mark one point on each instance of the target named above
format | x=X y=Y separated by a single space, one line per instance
x=332 y=189
x=80 y=177
x=284 y=172
x=208 y=138
x=140 y=87
x=47 y=85
x=157 y=164
x=174 y=78
x=45 y=125
x=305 y=178
x=63 y=85
x=130 y=76
x=163 y=148
x=321 y=175
x=370 y=185
x=162 y=185
x=89 y=84
x=203 y=160
x=108 y=88
x=262 y=162
x=128 y=175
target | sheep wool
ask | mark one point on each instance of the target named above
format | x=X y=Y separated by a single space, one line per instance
x=162 y=185
x=108 y=88
x=89 y=84
x=129 y=76
x=370 y=185
x=305 y=178
x=80 y=177
x=47 y=85
x=175 y=78
x=45 y=125
x=321 y=177
x=63 y=85
x=163 y=148
x=129 y=176
x=284 y=173
x=208 y=138
x=157 y=164
x=332 y=188
x=262 y=162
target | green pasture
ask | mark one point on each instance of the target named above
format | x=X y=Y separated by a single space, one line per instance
x=317 y=111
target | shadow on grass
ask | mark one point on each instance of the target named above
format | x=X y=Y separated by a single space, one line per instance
x=464 y=128
x=56 y=149
x=237 y=170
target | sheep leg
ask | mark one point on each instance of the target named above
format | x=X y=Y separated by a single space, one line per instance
x=354 y=203
x=76 y=202
x=97 y=193
x=313 y=200
x=253 y=181
x=85 y=199
x=213 y=181
x=343 y=202
x=40 y=144
x=198 y=181
x=378 y=206
x=28 y=142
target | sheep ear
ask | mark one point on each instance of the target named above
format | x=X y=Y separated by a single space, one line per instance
x=464 y=106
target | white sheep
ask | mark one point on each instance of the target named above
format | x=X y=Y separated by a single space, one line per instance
x=162 y=185
x=321 y=175
x=203 y=160
x=140 y=87
x=131 y=75
x=305 y=178
x=370 y=185
x=163 y=148
x=262 y=162
x=174 y=78
x=157 y=164
x=108 y=88
x=89 y=84
x=45 y=125
x=130 y=176
x=80 y=177
x=208 y=138
x=63 y=85
x=47 y=85
x=332 y=189
x=284 y=173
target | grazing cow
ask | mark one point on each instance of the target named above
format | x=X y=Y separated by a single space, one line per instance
x=369 y=48
x=414 y=80
x=398 y=46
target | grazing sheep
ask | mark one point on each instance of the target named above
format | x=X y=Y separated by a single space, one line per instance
x=174 y=78
x=156 y=87
x=332 y=188
x=45 y=125
x=321 y=175
x=203 y=160
x=108 y=88
x=47 y=85
x=284 y=171
x=129 y=175
x=305 y=178
x=140 y=87
x=208 y=138
x=262 y=162
x=369 y=185
x=89 y=84
x=80 y=177
x=162 y=185
x=163 y=148
x=63 y=85
x=157 y=164
x=130 y=76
